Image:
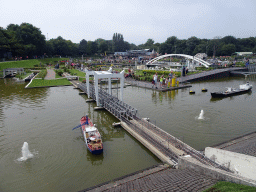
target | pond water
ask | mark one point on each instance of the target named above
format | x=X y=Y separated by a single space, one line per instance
x=44 y=118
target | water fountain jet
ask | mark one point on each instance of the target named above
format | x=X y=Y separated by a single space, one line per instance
x=26 y=154
x=201 y=115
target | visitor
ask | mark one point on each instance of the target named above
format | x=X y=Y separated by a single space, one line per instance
x=170 y=75
x=169 y=82
x=161 y=81
x=155 y=81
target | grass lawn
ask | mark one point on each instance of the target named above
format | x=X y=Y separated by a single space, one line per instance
x=226 y=186
x=23 y=76
x=78 y=73
x=45 y=83
x=81 y=79
x=29 y=63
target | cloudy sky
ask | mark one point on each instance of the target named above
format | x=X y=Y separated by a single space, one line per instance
x=137 y=20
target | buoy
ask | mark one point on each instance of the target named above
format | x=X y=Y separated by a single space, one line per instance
x=191 y=92
x=204 y=90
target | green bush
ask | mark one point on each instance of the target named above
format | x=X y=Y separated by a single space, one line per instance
x=60 y=73
x=42 y=74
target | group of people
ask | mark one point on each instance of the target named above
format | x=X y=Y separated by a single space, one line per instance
x=162 y=80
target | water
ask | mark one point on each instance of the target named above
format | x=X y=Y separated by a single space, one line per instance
x=44 y=118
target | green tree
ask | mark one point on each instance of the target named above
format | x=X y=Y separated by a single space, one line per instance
x=91 y=47
x=83 y=47
x=4 y=42
x=118 y=42
x=26 y=40
x=102 y=45
x=191 y=43
x=63 y=47
x=228 y=49
x=149 y=44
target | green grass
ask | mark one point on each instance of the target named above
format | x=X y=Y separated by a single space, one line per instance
x=23 y=76
x=78 y=73
x=56 y=73
x=81 y=79
x=29 y=63
x=223 y=186
x=46 y=83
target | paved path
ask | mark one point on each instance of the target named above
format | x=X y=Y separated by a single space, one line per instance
x=159 y=179
x=149 y=85
x=50 y=74
x=205 y=74
x=245 y=145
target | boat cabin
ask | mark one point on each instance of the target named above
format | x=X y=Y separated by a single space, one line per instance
x=93 y=135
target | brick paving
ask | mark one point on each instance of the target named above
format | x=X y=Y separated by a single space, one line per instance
x=166 y=179
x=245 y=145
x=50 y=74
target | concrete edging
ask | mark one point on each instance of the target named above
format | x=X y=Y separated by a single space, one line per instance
x=189 y=162
x=156 y=152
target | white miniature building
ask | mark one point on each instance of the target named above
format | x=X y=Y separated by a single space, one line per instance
x=104 y=75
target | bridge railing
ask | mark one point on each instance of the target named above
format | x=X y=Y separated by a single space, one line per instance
x=180 y=145
x=111 y=103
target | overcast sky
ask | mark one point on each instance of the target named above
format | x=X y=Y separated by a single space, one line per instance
x=137 y=20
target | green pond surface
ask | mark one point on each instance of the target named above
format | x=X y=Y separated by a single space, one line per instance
x=44 y=118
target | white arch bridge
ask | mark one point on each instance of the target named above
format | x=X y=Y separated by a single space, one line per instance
x=194 y=59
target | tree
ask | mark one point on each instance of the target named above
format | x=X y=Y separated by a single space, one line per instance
x=118 y=42
x=149 y=44
x=229 y=40
x=91 y=47
x=61 y=46
x=102 y=45
x=26 y=39
x=83 y=47
x=228 y=49
x=4 y=42
x=192 y=42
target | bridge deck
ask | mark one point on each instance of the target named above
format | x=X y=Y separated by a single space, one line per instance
x=207 y=74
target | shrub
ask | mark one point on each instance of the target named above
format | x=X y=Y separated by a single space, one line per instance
x=42 y=74
x=60 y=73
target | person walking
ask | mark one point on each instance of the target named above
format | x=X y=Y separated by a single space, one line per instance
x=155 y=81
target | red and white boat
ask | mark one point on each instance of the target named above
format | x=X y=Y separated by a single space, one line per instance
x=91 y=135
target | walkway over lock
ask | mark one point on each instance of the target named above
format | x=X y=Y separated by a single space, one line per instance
x=165 y=146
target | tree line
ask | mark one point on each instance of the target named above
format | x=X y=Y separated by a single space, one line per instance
x=26 y=40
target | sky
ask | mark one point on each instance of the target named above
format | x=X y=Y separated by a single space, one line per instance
x=136 y=20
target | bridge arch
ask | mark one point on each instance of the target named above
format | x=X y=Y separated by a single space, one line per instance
x=206 y=64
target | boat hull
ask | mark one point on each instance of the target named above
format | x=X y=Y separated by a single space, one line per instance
x=95 y=152
x=223 y=94
x=83 y=128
